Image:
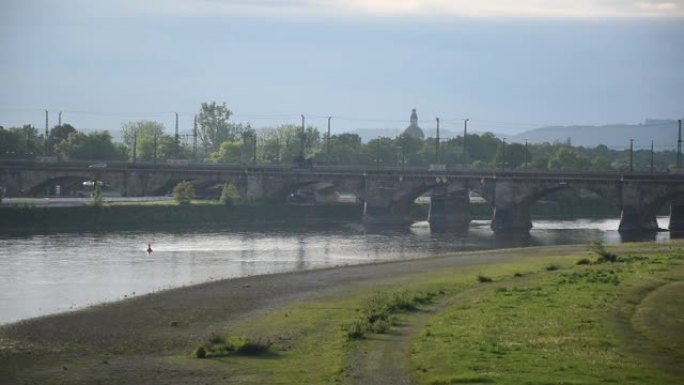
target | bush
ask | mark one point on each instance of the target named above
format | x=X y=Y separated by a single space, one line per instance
x=584 y=261
x=597 y=248
x=552 y=267
x=357 y=330
x=484 y=279
x=229 y=194
x=250 y=347
x=217 y=346
x=184 y=192
x=97 y=195
x=200 y=352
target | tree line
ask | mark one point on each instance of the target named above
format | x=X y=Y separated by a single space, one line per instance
x=220 y=140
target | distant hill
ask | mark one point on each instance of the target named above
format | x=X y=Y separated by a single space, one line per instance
x=663 y=132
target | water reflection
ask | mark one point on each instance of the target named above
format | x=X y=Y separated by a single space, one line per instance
x=48 y=273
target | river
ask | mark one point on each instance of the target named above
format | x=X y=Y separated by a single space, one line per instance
x=43 y=274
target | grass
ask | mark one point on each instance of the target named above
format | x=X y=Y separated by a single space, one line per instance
x=556 y=324
x=531 y=325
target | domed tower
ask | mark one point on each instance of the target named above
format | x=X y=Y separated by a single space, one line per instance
x=413 y=130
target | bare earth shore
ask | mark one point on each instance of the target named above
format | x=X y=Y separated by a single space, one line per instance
x=131 y=341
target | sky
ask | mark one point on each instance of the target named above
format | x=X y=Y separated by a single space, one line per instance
x=508 y=66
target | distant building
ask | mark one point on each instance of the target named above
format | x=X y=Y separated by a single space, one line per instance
x=413 y=130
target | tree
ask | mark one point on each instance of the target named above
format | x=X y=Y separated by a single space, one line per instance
x=59 y=134
x=285 y=144
x=515 y=155
x=214 y=126
x=140 y=136
x=229 y=194
x=344 y=149
x=184 y=192
x=569 y=158
x=96 y=145
x=21 y=142
x=229 y=152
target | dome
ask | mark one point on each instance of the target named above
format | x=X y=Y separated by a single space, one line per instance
x=413 y=130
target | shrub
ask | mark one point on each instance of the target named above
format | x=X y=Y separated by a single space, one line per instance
x=184 y=192
x=250 y=347
x=584 y=261
x=200 y=352
x=97 y=195
x=229 y=194
x=552 y=267
x=603 y=255
x=484 y=279
x=357 y=330
x=217 y=346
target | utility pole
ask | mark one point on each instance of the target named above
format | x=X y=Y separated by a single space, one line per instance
x=377 y=153
x=255 y=148
x=46 y=132
x=525 y=154
x=177 y=139
x=135 y=145
x=679 y=146
x=465 y=135
x=437 y=143
x=155 y=149
x=59 y=119
x=301 y=152
x=327 y=142
x=651 y=158
x=503 y=155
x=194 y=139
x=631 y=155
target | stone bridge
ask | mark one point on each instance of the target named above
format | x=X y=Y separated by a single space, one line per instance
x=386 y=194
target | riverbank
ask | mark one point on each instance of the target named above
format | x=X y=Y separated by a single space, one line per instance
x=165 y=215
x=168 y=215
x=306 y=316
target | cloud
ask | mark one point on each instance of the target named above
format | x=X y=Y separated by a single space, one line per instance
x=406 y=8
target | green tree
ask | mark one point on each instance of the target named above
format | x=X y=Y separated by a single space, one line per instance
x=214 y=126
x=21 y=142
x=59 y=134
x=285 y=144
x=143 y=134
x=568 y=158
x=516 y=155
x=184 y=192
x=96 y=145
x=229 y=194
x=228 y=152
x=344 y=149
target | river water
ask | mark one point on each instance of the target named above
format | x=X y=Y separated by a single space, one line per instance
x=45 y=274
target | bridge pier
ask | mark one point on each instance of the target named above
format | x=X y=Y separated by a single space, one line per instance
x=677 y=215
x=636 y=216
x=383 y=203
x=511 y=213
x=449 y=208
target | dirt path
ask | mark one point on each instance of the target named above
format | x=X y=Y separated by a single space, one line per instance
x=383 y=363
x=130 y=341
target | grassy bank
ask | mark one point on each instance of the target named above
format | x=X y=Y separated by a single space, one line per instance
x=525 y=316
x=542 y=321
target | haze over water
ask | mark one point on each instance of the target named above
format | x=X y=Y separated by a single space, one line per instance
x=46 y=274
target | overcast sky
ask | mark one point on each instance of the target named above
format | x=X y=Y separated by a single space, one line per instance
x=507 y=65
